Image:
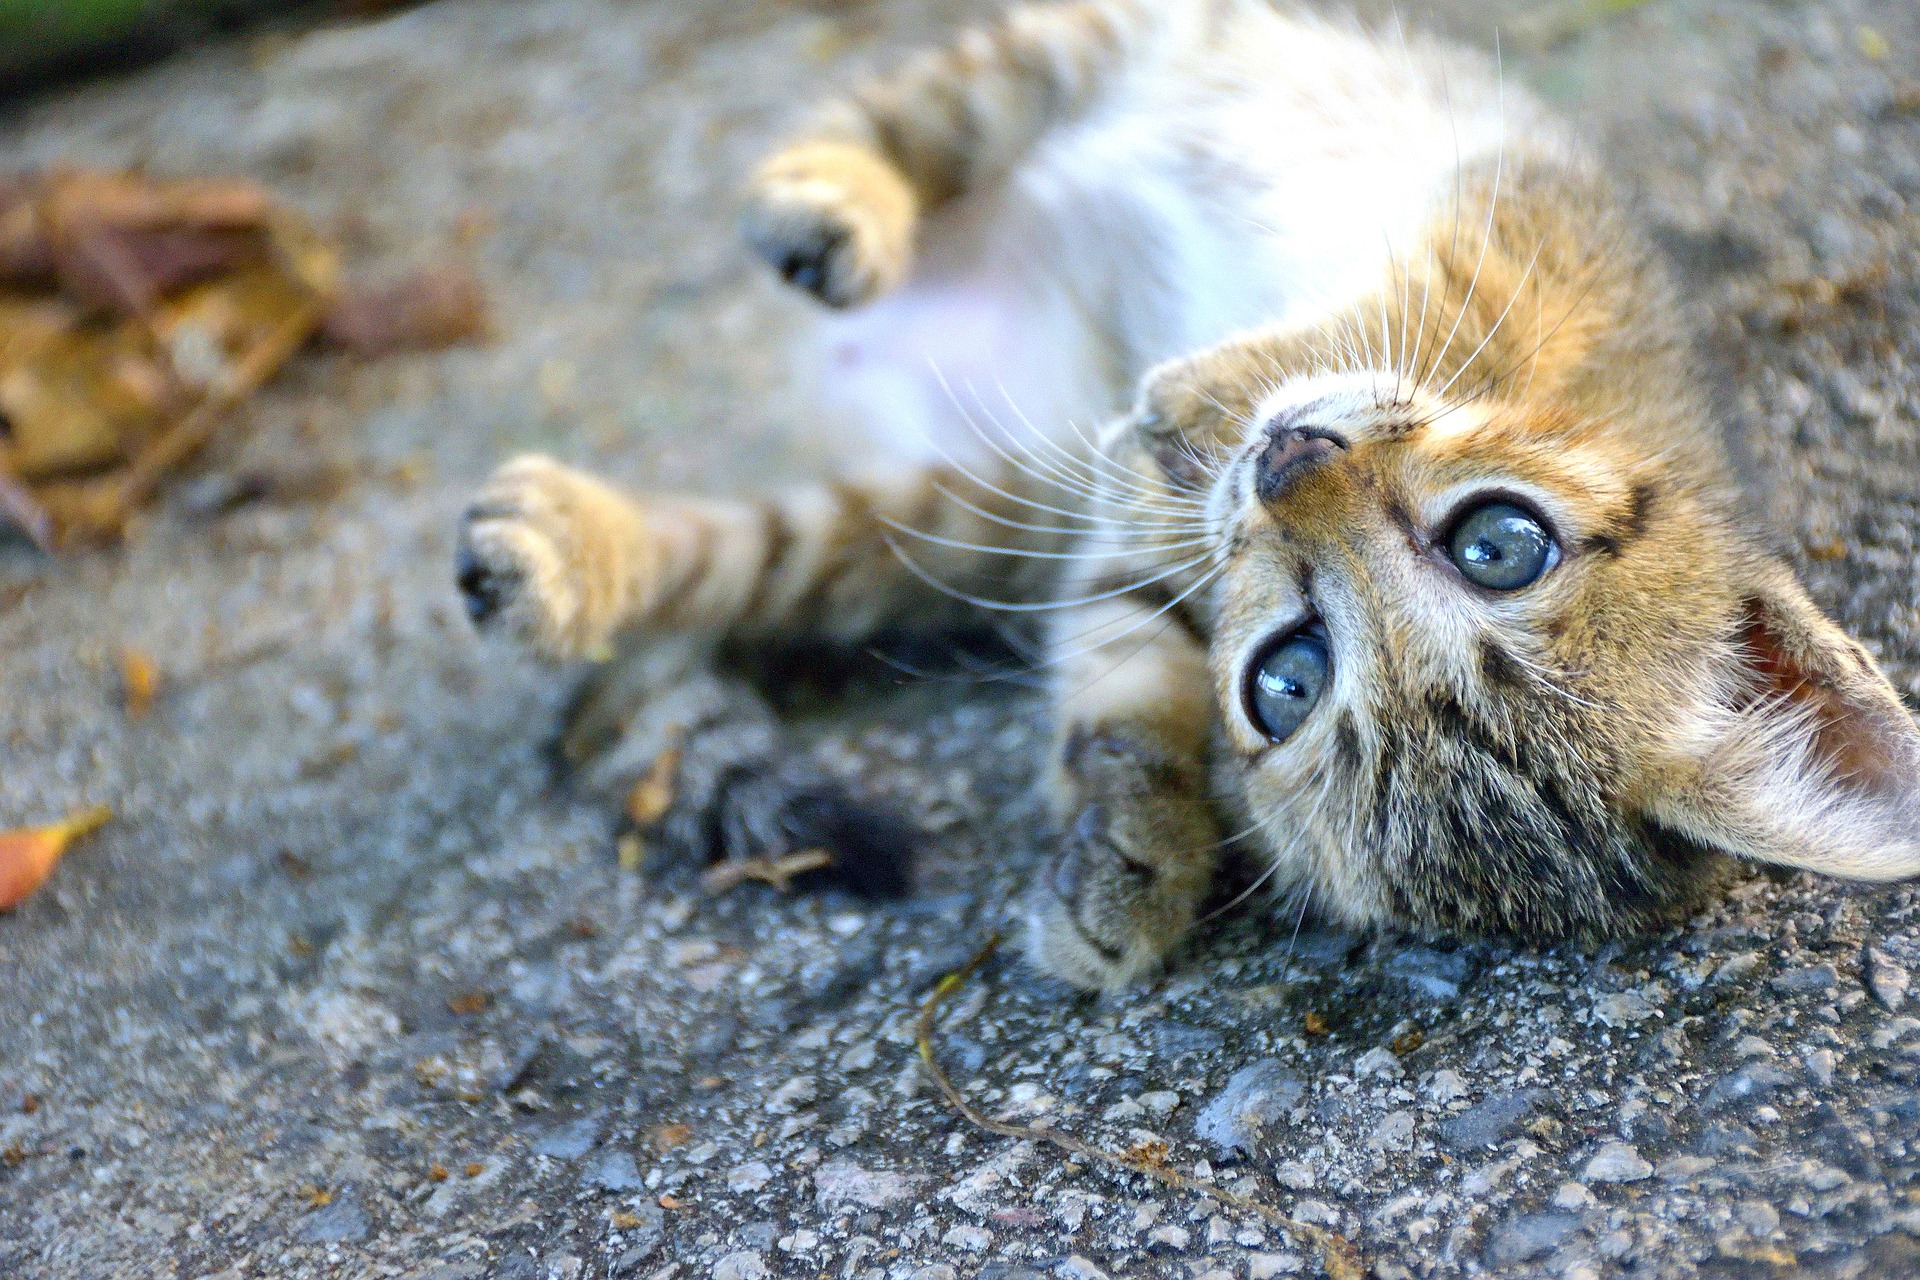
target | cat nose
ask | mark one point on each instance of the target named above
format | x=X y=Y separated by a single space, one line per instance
x=1290 y=453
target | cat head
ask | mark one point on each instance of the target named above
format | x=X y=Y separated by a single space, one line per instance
x=1515 y=663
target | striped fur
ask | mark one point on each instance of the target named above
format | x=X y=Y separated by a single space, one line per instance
x=1257 y=230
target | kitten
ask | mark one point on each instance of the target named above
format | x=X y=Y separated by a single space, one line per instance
x=1409 y=557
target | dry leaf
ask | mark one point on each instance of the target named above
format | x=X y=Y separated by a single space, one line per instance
x=668 y=1136
x=316 y=1197
x=1315 y=1025
x=652 y=795
x=28 y=855
x=436 y=1172
x=439 y=307
x=671 y=1201
x=624 y=1221
x=469 y=1002
x=474 y=1169
x=139 y=682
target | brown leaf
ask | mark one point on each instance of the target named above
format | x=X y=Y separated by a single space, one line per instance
x=1315 y=1025
x=438 y=307
x=624 y=1221
x=436 y=1172
x=1407 y=1041
x=668 y=1136
x=469 y=1002
x=671 y=1201
x=474 y=1169
x=28 y=855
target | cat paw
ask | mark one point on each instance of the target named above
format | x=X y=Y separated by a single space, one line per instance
x=544 y=558
x=1109 y=911
x=833 y=219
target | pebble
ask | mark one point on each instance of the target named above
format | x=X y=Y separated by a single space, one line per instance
x=842 y=1182
x=1572 y=1195
x=569 y=1141
x=1819 y=1064
x=1617 y=1162
x=1441 y=975
x=615 y=1171
x=744 y=1265
x=973 y=1239
x=751 y=1176
x=1748 y=1084
x=1446 y=1086
x=1394 y=1132
x=1886 y=978
x=1492 y=1121
x=1378 y=1062
x=1256 y=1097
x=1295 y=1176
x=1171 y=1236
x=1807 y=981
x=1530 y=1236
x=792 y=1095
x=342 y=1222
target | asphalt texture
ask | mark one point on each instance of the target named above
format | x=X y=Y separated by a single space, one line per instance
x=351 y=988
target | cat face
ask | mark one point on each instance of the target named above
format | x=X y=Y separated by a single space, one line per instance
x=1514 y=665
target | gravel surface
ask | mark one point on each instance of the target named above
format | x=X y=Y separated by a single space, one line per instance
x=349 y=988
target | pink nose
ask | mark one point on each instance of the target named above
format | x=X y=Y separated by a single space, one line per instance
x=1289 y=454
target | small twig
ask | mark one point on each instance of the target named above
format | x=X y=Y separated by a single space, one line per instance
x=1337 y=1254
x=778 y=872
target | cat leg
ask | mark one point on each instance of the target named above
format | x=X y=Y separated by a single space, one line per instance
x=561 y=562
x=727 y=780
x=835 y=211
x=1129 y=782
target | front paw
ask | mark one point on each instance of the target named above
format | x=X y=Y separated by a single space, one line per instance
x=1115 y=904
x=833 y=219
x=544 y=557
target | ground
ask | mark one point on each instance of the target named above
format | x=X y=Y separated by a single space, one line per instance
x=350 y=988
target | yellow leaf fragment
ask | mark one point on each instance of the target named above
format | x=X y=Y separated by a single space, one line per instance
x=652 y=795
x=139 y=682
x=28 y=855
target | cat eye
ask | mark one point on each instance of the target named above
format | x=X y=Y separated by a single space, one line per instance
x=1286 y=682
x=1501 y=546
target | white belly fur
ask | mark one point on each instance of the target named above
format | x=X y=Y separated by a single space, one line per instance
x=1267 y=182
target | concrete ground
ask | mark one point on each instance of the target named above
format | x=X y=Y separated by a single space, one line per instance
x=349 y=989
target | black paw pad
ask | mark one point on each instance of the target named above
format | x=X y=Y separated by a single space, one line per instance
x=482 y=590
x=808 y=265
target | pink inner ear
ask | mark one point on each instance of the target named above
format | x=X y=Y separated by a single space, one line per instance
x=1851 y=733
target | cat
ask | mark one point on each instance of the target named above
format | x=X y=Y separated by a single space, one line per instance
x=1405 y=553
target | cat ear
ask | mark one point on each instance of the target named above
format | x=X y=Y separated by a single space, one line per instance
x=1808 y=759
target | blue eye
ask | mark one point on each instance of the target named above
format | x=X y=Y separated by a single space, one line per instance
x=1501 y=547
x=1284 y=685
